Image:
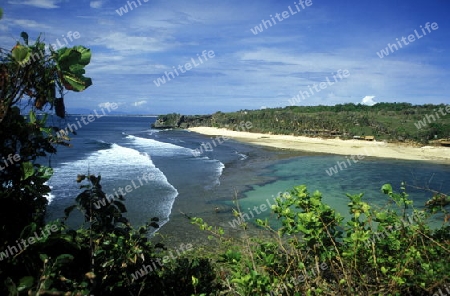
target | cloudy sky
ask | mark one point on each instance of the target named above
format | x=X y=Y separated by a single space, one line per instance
x=296 y=45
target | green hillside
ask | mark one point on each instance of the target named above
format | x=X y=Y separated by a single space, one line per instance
x=386 y=121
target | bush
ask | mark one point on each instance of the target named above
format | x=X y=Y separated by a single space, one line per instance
x=377 y=252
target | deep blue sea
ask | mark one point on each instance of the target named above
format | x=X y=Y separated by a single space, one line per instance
x=122 y=149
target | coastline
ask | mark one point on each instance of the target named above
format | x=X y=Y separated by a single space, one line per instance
x=216 y=207
x=255 y=179
x=434 y=154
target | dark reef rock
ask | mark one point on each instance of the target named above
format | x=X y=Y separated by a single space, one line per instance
x=181 y=121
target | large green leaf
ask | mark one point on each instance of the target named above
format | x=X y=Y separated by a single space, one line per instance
x=70 y=63
x=75 y=82
x=45 y=172
x=386 y=189
x=28 y=170
x=25 y=283
x=21 y=54
x=1 y=13
x=77 y=69
x=63 y=259
x=67 y=58
x=71 y=56
x=32 y=117
x=85 y=55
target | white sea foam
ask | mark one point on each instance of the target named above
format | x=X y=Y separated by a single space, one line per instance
x=160 y=148
x=243 y=156
x=169 y=149
x=49 y=196
x=118 y=166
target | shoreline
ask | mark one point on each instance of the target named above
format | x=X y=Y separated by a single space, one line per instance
x=435 y=154
x=237 y=180
x=238 y=177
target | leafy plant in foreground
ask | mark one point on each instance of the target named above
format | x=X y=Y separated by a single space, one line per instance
x=31 y=76
x=377 y=252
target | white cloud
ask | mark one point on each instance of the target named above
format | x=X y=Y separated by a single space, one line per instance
x=139 y=103
x=37 y=3
x=368 y=100
x=125 y=43
x=96 y=4
x=30 y=24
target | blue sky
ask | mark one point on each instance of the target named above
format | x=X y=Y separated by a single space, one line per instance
x=248 y=71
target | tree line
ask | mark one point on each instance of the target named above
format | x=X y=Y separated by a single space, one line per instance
x=397 y=122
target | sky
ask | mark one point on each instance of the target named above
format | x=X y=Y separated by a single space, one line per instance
x=200 y=57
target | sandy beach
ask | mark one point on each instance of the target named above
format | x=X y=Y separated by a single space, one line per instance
x=360 y=148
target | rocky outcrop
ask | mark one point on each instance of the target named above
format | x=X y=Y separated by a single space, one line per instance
x=181 y=121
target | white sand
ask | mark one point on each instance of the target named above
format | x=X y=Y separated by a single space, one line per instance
x=437 y=154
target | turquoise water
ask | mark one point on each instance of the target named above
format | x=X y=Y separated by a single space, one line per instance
x=366 y=176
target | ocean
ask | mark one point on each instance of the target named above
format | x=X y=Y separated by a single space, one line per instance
x=161 y=174
x=123 y=149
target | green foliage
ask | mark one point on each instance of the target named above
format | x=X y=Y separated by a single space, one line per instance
x=70 y=64
x=28 y=73
x=115 y=248
x=41 y=74
x=101 y=213
x=23 y=181
x=102 y=258
x=438 y=203
x=316 y=222
x=313 y=252
x=386 y=121
x=21 y=54
x=186 y=277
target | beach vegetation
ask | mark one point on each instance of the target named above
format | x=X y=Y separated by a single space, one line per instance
x=393 y=122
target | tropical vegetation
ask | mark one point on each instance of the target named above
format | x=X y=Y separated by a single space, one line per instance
x=396 y=122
